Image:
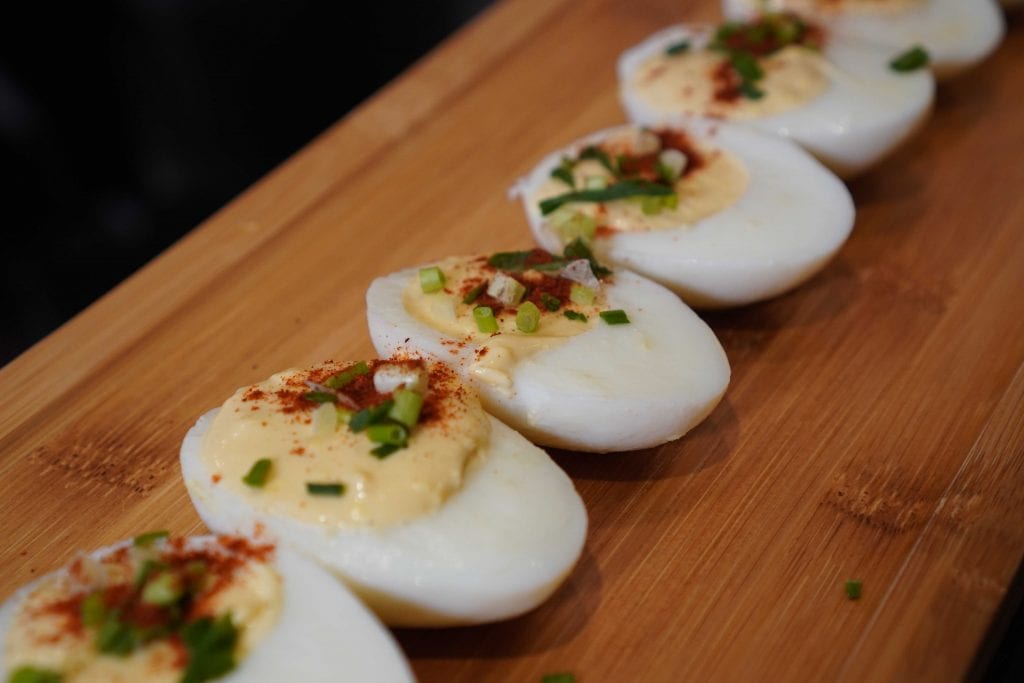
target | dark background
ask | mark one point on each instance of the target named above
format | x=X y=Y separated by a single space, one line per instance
x=124 y=124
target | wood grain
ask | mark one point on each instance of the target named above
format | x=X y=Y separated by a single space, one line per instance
x=874 y=427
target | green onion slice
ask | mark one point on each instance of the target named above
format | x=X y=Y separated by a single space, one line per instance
x=599 y=155
x=620 y=190
x=324 y=488
x=384 y=450
x=913 y=59
x=576 y=315
x=346 y=376
x=560 y=677
x=552 y=303
x=389 y=433
x=320 y=397
x=485 y=320
x=406 y=409
x=368 y=416
x=163 y=590
x=578 y=249
x=258 y=473
x=93 y=610
x=431 y=280
x=528 y=317
x=31 y=674
x=474 y=294
x=211 y=648
x=147 y=539
x=853 y=588
x=581 y=294
x=677 y=48
x=509 y=260
x=615 y=317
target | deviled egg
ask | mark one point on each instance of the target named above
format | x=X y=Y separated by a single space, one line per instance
x=564 y=350
x=717 y=212
x=390 y=474
x=840 y=99
x=170 y=610
x=956 y=34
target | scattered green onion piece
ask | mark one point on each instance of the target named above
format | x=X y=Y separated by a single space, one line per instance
x=368 y=416
x=485 y=320
x=651 y=206
x=528 y=317
x=148 y=568
x=552 y=303
x=319 y=397
x=550 y=266
x=147 y=539
x=346 y=376
x=31 y=674
x=581 y=294
x=196 y=568
x=389 y=433
x=93 y=610
x=595 y=182
x=509 y=260
x=564 y=173
x=324 y=488
x=677 y=48
x=576 y=315
x=615 y=317
x=599 y=155
x=384 y=450
x=344 y=415
x=258 y=473
x=406 y=409
x=853 y=588
x=620 y=190
x=506 y=289
x=211 y=648
x=560 y=677
x=576 y=226
x=474 y=294
x=578 y=249
x=431 y=279
x=115 y=637
x=163 y=590
x=913 y=59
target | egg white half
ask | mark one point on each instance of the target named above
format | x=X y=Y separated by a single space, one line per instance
x=611 y=388
x=957 y=33
x=792 y=218
x=866 y=111
x=323 y=633
x=497 y=548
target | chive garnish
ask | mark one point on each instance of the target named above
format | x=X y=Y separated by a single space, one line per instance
x=431 y=280
x=620 y=190
x=258 y=473
x=115 y=637
x=853 y=588
x=211 y=648
x=319 y=397
x=615 y=317
x=31 y=674
x=368 y=416
x=384 y=450
x=474 y=294
x=92 y=610
x=393 y=434
x=599 y=155
x=406 y=409
x=528 y=317
x=560 y=677
x=677 y=48
x=552 y=303
x=163 y=590
x=564 y=172
x=913 y=59
x=324 y=488
x=346 y=376
x=578 y=249
x=147 y=539
x=581 y=294
x=576 y=315
x=509 y=260
x=485 y=321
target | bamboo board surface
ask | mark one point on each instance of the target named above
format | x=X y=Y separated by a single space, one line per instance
x=874 y=427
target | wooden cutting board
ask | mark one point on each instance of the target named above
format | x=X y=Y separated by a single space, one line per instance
x=874 y=428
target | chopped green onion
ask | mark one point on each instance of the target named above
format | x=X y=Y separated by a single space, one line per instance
x=346 y=376
x=389 y=433
x=406 y=409
x=164 y=590
x=581 y=294
x=211 y=648
x=320 y=397
x=564 y=172
x=506 y=289
x=550 y=266
x=344 y=415
x=315 y=488
x=431 y=280
x=93 y=610
x=31 y=674
x=575 y=315
x=574 y=226
x=620 y=190
x=509 y=260
x=485 y=321
x=595 y=182
x=115 y=637
x=599 y=155
x=474 y=294
x=384 y=450
x=615 y=317
x=578 y=249
x=528 y=317
x=258 y=473
x=913 y=59
x=746 y=66
x=853 y=588
x=560 y=677
x=677 y=48
x=552 y=303
x=147 y=539
x=368 y=416
x=148 y=568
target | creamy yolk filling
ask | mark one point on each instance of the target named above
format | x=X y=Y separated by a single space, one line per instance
x=497 y=352
x=323 y=472
x=52 y=633
x=691 y=83
x=712 y=181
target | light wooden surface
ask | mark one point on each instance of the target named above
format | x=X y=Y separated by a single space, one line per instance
x=874 y=427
